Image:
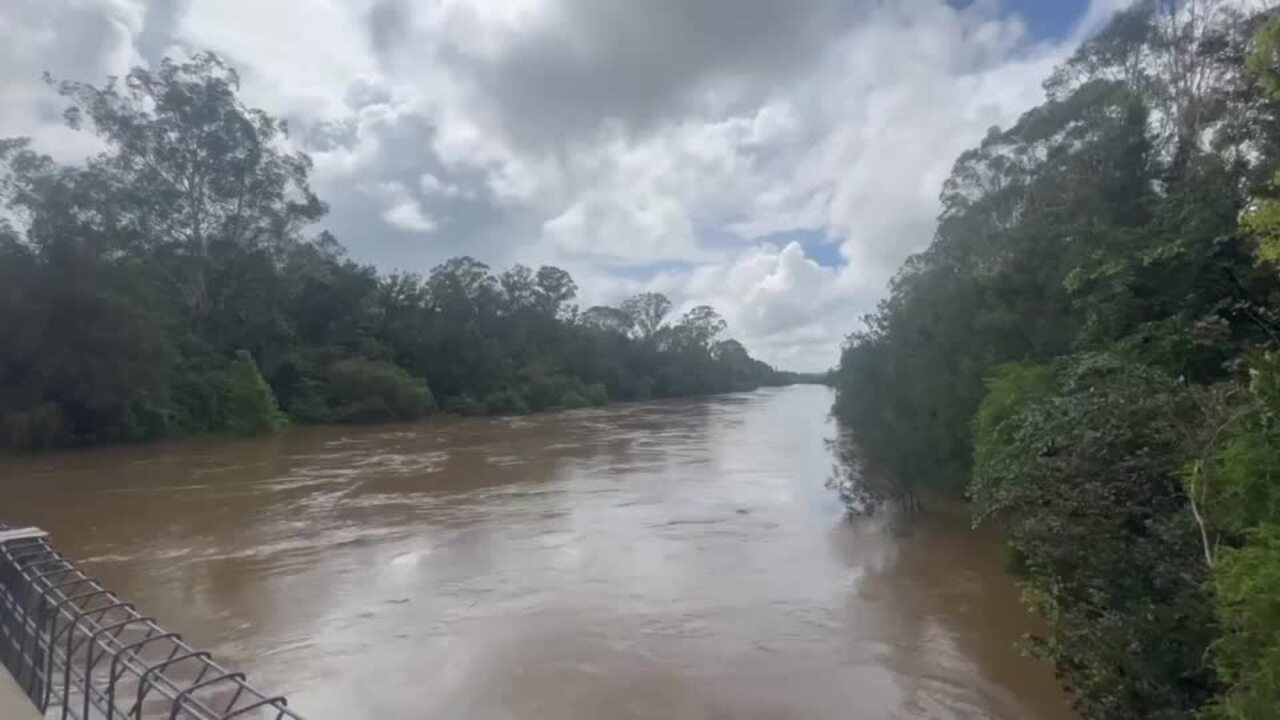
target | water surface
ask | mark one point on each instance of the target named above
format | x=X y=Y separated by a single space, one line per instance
x=678 y=560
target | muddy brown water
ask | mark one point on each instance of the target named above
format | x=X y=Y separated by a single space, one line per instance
x=675 y=560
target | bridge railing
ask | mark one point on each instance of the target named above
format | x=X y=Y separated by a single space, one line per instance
x=79 y=651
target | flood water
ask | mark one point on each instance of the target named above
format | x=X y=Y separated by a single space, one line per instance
x=677 y=560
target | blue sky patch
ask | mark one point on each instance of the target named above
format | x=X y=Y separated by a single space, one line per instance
x=818 y=246
x=1045 y=19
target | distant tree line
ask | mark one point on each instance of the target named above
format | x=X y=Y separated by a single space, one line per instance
x=1090 y=351
x=167 y=286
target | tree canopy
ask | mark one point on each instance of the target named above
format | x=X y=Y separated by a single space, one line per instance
x=1085 y=350
x=175 y=283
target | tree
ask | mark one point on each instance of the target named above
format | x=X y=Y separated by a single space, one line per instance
x=1082 y=472
x=190 y=165
x=608 y=319
x=696 y=329
x=251 y=406
x=518 y=288
x=198 y=164
x=127 y=282
x=1070 y=352
x=1240 y=521
x=646 y=311
x=363 y=391
x=555 y=289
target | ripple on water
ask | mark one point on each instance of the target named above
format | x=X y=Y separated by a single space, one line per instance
x=568 y=566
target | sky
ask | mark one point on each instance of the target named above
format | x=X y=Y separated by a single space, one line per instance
x=776 y=159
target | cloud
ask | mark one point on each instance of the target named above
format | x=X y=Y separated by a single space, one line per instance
x=557 y=74
x=404 y=212
x=640 y=145
x=69 y=41
x=434 y=186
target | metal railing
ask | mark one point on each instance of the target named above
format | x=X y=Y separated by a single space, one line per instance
x=81 y=652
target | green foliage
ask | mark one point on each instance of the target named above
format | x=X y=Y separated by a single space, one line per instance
x=1010 y=388
x=1070 y=352
x=200 y=400
x=1263 y=62
x=573 y=399
x=1247 y=594
x=1241 y=514
x=1263 y=222
x=128 y=281
x=505 y=402
x=1084 y=478
x=250 y=404
x=363 y=391
x=465 y=405
x=596 y=394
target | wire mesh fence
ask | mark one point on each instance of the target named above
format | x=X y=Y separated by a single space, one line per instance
x=81 y=652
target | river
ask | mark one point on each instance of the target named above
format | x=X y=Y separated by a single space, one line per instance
x=676 y=559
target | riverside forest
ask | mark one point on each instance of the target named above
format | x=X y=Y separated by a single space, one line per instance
x=169 y=286
x=1089 y=350
x=1054 y=445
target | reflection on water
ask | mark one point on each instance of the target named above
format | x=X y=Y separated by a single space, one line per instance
x=671 y=559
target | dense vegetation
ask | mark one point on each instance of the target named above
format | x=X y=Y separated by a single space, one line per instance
x=168 y=285
x=1090 y=350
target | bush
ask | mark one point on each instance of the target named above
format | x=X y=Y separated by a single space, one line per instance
x=546 y=391
x=1241 y=505
x=361 y=411
x=1247 y=595
x=1083 y=474
x=251 y=406
x=200 y=400
x=308 y=402
x=37 y=428
x=573 y=399
x=464 y=404
x=363 y=391
x=596 y=394
x=140 y=419
x=505 y=402
x=1010 y=388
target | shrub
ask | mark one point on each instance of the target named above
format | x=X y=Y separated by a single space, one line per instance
x=308 y=402
x=464 y=404
x=200 y=400
x=1247 y=595
x=372 y=391
x=251 y=406
x=573 y=399
x=596 y=394
x=546 y=391
x=506 y=402
x=1083 y=475
x=37 y=428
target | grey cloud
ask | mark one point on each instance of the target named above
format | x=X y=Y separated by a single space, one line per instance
x=69 y=41
x=79 y=40
x=468 y=222
x=638 y=63
x=159 y=24
x=387 y=22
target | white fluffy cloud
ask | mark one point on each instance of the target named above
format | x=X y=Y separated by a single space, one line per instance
x=403 y=211
x=663 y=144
